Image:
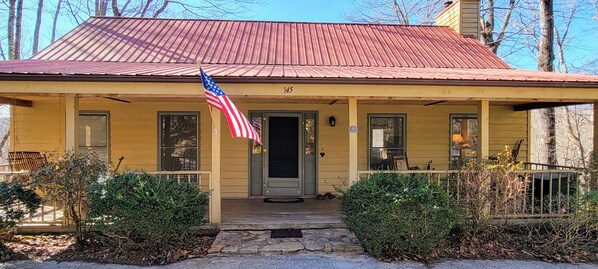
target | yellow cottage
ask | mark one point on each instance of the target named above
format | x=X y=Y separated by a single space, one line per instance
x=331 y=100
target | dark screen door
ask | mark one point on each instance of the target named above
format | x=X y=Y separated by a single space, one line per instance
x=283 y=153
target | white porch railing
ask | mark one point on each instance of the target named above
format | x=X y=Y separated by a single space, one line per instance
x=52 y=211
x=550 y=193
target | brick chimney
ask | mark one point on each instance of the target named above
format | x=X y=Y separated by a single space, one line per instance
x=461 y=15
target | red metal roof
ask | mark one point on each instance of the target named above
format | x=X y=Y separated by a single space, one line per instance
x=69 y=70
x=143 y=40
x=129 y=49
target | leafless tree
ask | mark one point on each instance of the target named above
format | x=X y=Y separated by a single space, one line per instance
x=38 y=24
x=12 y=9
x=4 y=133
x=488 y=22
x=55 y=20
x=404 y=12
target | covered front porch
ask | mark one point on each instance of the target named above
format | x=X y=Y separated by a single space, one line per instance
x=255 y=214
x=223 y=166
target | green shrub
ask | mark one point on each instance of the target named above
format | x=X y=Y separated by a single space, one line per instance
x=395 y=214
x=15 y=201
x=68 y=179
x=138 y=209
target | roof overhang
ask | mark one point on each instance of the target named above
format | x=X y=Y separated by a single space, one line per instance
x=298 y=80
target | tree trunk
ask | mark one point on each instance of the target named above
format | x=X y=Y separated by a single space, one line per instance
x=115 y=11
x=55 y=22
x=546 y=47
x=546 y=63
x=11 y=29
x=38 y=24
x=18 y=29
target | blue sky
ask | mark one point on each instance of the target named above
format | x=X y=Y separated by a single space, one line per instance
x=582 y=48
x=296 y=10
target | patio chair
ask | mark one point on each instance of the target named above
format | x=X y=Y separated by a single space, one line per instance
x=26 y=160
x=401 y=163
x=515 y=150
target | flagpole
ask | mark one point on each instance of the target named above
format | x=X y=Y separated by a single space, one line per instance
x=209 y=107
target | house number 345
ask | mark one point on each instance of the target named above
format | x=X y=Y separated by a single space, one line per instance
x=288 y=90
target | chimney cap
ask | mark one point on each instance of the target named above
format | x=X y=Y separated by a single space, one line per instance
x=448 y=3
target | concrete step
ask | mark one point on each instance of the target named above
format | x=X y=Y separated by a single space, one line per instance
x=270 y=226
x=313 y=240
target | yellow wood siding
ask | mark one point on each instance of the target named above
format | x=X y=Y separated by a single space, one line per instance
x=470 y=18
x=133 y=134
x=462 y=16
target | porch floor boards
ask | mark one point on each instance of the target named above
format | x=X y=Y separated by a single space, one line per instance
x=254 y=214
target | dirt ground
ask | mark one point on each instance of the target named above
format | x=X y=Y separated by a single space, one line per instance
x=63 y=248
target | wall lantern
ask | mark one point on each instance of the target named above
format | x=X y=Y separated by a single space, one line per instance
x=332 y=121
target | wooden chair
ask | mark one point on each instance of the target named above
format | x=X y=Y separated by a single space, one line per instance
x=401 y=163
x=515 y=150
x=26 y=160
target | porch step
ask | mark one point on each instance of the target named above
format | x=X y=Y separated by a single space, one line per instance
x=313 y=240
x=273 y=225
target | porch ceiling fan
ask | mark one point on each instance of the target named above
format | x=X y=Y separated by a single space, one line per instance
x=117 y=99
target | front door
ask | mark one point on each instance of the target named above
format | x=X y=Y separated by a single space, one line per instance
x=282 y=152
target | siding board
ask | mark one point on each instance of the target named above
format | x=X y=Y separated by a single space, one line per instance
x=134 y=135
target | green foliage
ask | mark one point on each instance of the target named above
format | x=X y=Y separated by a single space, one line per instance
x=139 y=209
x=15 y=201
x=68 y=179
x=395 y=214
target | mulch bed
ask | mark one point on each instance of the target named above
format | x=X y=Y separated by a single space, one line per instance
x=63 y=248
x=512 y=243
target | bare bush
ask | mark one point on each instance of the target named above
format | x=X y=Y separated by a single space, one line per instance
x=491 y=189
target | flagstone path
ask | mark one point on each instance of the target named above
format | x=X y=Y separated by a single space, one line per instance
x=314 y=240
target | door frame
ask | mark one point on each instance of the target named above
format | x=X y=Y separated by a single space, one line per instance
x=301 y=149
x=300 y=146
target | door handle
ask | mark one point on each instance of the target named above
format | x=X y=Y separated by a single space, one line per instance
x=265 y=150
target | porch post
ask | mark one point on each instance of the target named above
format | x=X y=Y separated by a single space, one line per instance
x=595 y=148
x=71 y=116
x=353 y=176
x=215 y=211
x=484 y=129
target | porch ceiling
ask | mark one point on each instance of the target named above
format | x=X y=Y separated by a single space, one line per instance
x=518 y=105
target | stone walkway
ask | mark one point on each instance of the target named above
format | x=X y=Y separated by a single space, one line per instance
x=317 y=240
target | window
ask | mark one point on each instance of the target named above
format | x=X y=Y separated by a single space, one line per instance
x=93 y=134
x=178 y=141
x=464 y=139
x=386 y=140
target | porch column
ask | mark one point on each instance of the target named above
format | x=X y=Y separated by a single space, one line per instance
x=484 y=129
x=71 y=116
x=595 y=148
x=215 y=212
x=353 y=176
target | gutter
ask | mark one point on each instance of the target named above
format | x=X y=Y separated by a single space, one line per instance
x=297 y=80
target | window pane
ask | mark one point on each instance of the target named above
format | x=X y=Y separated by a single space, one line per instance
x=93 y=130
x=382 y=159
x=256 y=121
x=387 y=140
x=464 y=139
x=178 y=130
x=178 y=142
x=92 y=134
x=310 y=136
x=179 y=159
x=386 y=132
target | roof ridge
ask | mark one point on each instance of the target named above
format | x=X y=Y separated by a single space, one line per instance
x=273 y=21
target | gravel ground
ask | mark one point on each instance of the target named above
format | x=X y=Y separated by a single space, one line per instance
x=302 y=261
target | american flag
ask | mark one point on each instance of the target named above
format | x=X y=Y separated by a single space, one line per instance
x=239 y=125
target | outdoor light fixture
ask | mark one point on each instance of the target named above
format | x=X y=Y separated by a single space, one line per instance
x=332 y=121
